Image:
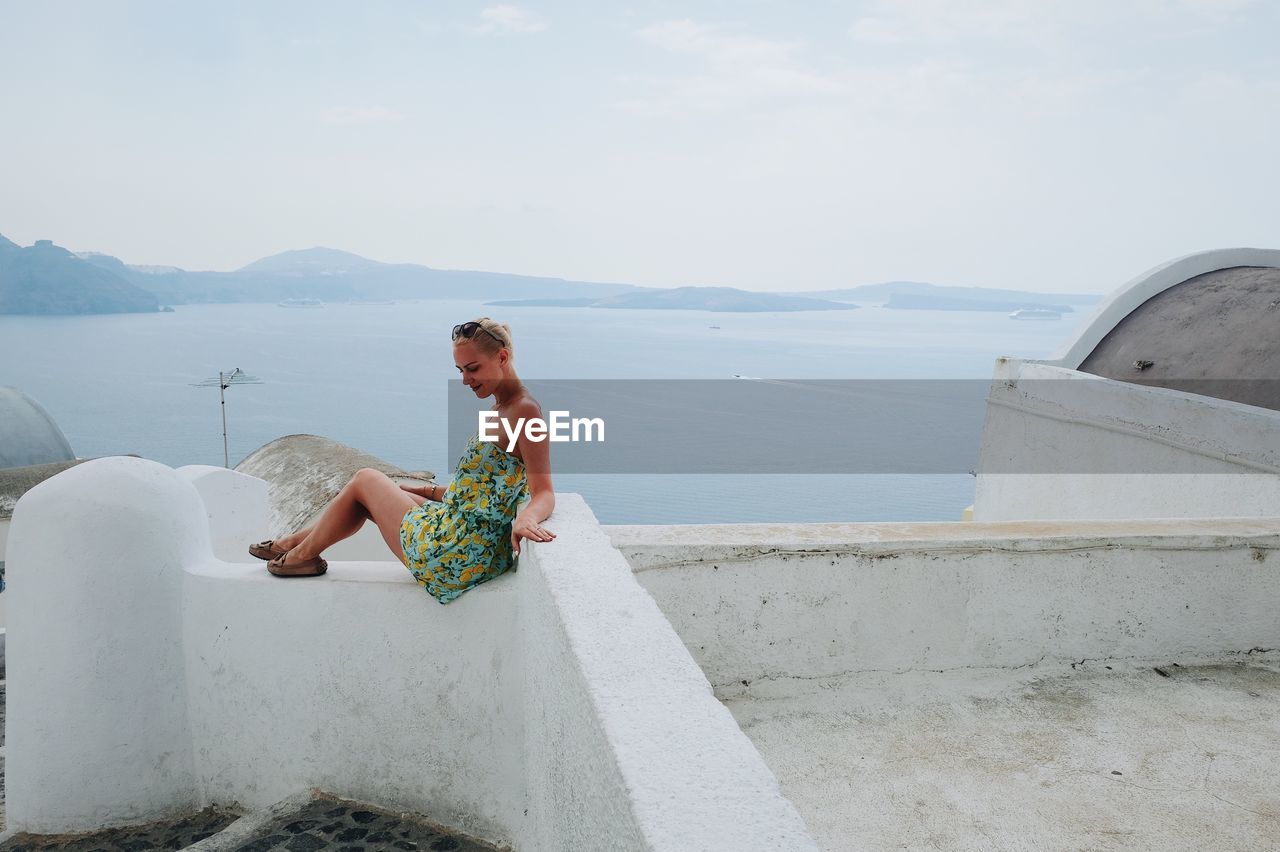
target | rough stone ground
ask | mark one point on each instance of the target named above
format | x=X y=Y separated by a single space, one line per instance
x=322 y=823
x=165 y=834
x=332 y=824
x=1097 y=756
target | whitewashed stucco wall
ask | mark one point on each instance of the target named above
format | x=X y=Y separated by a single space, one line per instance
x=96 y=714
x=551 y=708
x=1060 y=444
x=359 y=683
x=619 y=710
x=766 y=609
x=149 y=676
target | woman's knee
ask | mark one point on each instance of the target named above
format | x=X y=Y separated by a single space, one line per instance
x=366 y=476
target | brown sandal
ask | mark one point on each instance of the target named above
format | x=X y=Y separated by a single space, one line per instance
x=311 y=568
x=266 y=550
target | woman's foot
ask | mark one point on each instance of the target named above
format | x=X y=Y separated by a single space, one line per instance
x=268 y=549
x=282 y=566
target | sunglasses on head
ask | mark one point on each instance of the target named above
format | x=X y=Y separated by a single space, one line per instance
x=469 y=329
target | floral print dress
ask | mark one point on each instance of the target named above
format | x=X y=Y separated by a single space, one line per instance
x=465 y=539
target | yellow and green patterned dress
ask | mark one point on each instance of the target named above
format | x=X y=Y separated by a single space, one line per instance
x=465 y=539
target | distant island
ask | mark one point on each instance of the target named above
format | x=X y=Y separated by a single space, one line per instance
x=48 y=279
x=919 y=296
x=920 y=302
x=721 y=299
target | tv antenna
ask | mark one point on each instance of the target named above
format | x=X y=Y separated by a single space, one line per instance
x=222 y=382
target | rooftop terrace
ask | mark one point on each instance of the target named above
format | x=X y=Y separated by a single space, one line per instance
x=1094 y=663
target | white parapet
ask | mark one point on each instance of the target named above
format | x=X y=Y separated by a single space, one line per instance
x=97 y=730
x=1023 y=685
x=627 y=745
x=552 y=708
x=235 y=504
x=767 y=609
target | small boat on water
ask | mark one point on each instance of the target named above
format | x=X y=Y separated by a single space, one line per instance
x=301 y=303
x=1035 y=314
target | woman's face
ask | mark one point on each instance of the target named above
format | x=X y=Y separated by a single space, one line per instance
x=480 y=372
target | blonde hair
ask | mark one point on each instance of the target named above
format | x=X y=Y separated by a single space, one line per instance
x=487 y=343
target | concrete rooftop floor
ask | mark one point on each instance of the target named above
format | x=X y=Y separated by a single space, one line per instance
x=1093 y=756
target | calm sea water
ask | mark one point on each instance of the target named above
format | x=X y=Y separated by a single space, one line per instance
x=376 y=377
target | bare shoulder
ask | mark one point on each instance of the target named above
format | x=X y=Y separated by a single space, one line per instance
x=523 y=406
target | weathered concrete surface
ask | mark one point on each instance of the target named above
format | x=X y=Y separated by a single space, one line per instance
x=28 y=435
x=1041 y=759
x=16 y=481
x=304 y=472
x=768 y=611
x=1215 y=334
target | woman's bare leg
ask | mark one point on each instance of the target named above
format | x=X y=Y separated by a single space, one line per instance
x=370 y=494
x=292 y=540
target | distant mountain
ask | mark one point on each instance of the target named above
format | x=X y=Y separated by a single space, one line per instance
x=319 y=260
x=48 y=279
x=572 y=302
x=882 y=292
x=724 y=299
x=330 y=275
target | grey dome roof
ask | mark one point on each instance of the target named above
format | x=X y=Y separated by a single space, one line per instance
x=304 y=472
x=28 y=434
x=1216 y=334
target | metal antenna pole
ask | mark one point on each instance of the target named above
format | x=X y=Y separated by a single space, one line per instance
x=224 y=381
x=222 y=395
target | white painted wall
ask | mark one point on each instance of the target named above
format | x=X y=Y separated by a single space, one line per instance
x=357 y=682
x=619 y=710
x=96 y=724
x=768 y=610
x=238 y=511
x=1206 y=457
x=551 y=708
x=235 y=505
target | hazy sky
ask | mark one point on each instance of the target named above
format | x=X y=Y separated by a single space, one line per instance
x=1041 y=144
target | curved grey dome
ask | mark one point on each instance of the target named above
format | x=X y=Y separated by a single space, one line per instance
x=1217 y=334
x=1207 y=323
x=304 y=472
x=28 y=434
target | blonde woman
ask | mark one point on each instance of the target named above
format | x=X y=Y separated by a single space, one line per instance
x=456 y=537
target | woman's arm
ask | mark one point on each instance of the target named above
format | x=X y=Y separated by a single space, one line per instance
x=542 y=495
x=434 y=491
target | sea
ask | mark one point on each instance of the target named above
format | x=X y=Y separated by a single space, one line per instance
x=376 y=377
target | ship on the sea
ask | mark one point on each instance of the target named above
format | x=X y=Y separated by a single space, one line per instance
x=1035 y=314
x=301 y=303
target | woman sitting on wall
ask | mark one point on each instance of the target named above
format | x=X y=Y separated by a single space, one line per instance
x=451 y=538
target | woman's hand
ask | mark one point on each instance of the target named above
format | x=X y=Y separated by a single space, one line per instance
x=525 y=527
